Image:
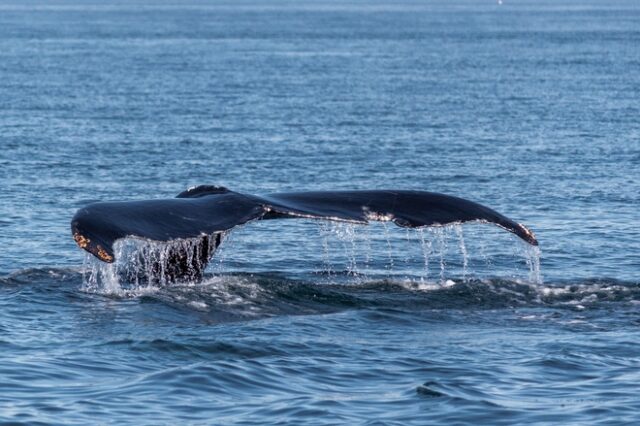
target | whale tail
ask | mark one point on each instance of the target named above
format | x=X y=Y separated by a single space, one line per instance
x=205 y=212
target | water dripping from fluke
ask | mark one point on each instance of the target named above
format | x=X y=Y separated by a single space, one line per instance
x=173 y=237
x=427 y=248
x=352 y=254
x=367 y=253
x=463 y=251
x=532 y=257
x=441 y=239
x=143 y=264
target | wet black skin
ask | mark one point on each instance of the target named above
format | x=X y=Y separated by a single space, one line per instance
x=206 y=211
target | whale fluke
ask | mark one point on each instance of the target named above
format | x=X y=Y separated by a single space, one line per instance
x=206 y=210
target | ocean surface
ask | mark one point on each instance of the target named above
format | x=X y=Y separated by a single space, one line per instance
x=529 y=107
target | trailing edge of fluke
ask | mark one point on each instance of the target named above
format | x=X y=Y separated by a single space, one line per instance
x=203 y=211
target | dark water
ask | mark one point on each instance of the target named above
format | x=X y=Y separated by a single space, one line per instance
x=529 y=107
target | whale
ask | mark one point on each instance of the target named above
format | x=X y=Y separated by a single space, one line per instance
x=207 y=212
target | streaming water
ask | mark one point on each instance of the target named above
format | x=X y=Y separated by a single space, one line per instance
x=389 y=248
x=463 y=251
x=142 y=265
x=532 y=256
x=426 y=246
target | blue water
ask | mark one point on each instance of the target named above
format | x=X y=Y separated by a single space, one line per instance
x=531 y=108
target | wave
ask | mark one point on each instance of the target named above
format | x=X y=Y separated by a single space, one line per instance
x=230 y=297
